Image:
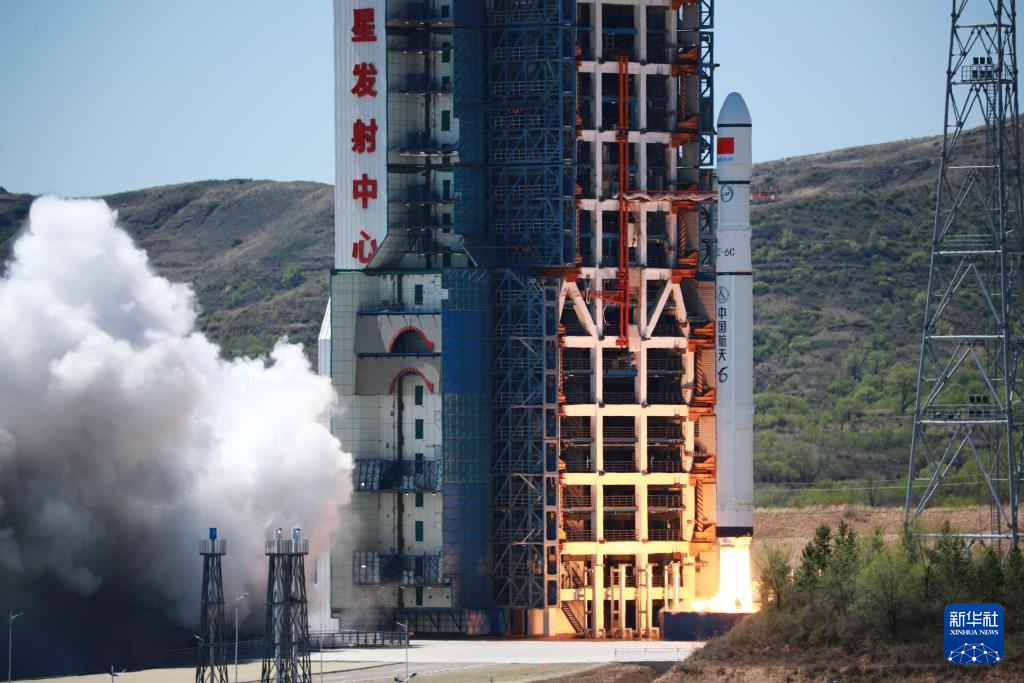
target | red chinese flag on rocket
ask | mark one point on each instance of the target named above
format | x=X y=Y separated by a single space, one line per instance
x=726 y=145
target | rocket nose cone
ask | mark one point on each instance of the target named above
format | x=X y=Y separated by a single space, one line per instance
x=734 y=111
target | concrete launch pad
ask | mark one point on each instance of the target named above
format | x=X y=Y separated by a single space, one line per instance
x=503 y=661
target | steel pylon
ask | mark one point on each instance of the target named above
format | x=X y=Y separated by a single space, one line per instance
x=211 y=663
x=968 y=405
x=286 y=645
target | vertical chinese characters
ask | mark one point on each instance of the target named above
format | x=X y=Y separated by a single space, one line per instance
x=365 y=87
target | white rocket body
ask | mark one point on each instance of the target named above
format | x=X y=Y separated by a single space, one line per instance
x=734 y=339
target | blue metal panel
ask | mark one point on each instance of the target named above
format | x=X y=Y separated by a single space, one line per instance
x=466 y=446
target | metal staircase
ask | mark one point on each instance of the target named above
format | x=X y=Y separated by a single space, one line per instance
x=574 y=619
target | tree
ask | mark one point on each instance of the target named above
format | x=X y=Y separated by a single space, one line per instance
x=989 y=577
x=1013 y=589
x=775 y=574
x=837 y=590
x=952 y=569
x=292 y=275
x=901 y=382
x=888 y=590
x=814 y=557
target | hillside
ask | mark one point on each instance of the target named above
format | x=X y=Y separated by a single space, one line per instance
x=840 y=266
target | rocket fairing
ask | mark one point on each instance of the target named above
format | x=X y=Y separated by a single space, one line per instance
x=734 y=338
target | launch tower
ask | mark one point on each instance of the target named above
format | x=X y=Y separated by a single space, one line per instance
x=522 y=324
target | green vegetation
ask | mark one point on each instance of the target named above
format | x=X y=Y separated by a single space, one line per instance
x=859 y=592
x=292 y=276
x=870 y=610
x=840 y=265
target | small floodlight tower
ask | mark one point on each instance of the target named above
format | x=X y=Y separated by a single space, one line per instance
x=211 y=664
x=286 y=649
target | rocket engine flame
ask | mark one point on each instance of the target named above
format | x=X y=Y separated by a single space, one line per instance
x=735 y=587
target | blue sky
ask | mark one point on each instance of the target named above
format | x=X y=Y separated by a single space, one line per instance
x=111 y=95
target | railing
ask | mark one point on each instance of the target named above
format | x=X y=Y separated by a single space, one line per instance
x=397 y=475
x=576 y=363
x=669 y=432
x=574 y=432
x=630 y=579
x=416 y=11
x=418 y=83
x=974 y=412
x=670 y=398
x=617 y=364
x=620 y=534
x=664 y=466
x=578 y=397
x=614 y=501
x=579 y=534
x=215 y=546
x=578 y=465
x=975 y=243
x=397 y=308
x=372 y=569
x=419 y=143
x=664 y=364
x=619 y=397
x=668 y=329
x=287 y=546
x=418 y=196
x=620 y=466
x=573 y=576
x=665 y=534
x=654 y=654
x=619 y=433
x=350 y=638
x=984 y=73
x=576 y=502
x=670 y=501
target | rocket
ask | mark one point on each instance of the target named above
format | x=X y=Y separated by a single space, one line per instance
x=734 y=325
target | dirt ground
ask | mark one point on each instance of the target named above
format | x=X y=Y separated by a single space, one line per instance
x=846 y=672
x=610 y=673
x=793 y=527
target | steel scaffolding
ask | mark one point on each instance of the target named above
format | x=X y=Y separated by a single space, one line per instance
x=526 y=441
x=968 y=406
x=530 y=128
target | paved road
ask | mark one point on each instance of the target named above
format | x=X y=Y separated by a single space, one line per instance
x=506 y=651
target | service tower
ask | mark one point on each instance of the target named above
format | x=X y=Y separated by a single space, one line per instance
x=522 y=321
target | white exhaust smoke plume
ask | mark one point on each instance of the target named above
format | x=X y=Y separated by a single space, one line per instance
x=124 y=435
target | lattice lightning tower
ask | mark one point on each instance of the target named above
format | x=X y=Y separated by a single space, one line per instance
x=968 y=391
x=211 y=665
x=286 y=649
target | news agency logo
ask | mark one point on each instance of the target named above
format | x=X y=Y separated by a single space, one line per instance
x=974 y=633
